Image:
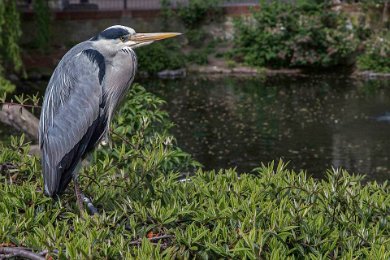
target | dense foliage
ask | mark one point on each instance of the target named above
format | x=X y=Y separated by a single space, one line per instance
x=302 y=34
x=159 y=56
x=169 y=54
x=10 y=33
x=194 y=12
x=147 y=211
x=42 y=21
x=376 y=56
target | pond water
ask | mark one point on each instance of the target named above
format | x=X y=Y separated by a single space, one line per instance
x=313 y=122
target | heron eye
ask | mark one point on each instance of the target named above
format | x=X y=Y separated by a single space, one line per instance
x=123 y=38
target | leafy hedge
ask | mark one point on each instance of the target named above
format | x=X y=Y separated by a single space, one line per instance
x=169 y=54
x=302 y=34
x=10 y=33
x=148 y=211
x=193 y=13
x=376 y=57
x=160 y=56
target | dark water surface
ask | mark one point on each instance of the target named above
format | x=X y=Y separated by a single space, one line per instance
x=314 y=122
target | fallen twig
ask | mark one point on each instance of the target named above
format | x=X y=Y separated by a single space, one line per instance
x=7 y=252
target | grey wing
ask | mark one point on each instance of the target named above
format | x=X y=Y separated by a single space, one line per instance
x=72 y=116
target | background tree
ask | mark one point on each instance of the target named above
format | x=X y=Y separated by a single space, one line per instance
x=10 y=33
x=42 y=21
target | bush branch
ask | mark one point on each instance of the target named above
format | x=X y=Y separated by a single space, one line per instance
x=7 y=252
x=20 y=118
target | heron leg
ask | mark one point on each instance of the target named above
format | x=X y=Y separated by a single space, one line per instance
x=79 y=196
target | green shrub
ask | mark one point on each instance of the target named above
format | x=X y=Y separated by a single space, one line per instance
x=195 y=12
x=231 y=64
x=147 y=127
x=6 y=86
x=42 y=21
x=193 y=15
x=272 y=213
x=196 y=37
x=10 y=33
x=302 y=34
x=147 y=213
x=199 y=57
x=377 y=53
x=159 y=56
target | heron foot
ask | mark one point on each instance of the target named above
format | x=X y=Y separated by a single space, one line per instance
x=92 y=209
x=81 y=198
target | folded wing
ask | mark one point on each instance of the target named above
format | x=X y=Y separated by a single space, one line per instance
x=73 y=116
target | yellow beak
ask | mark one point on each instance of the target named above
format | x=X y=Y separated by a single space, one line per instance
x=147 y=37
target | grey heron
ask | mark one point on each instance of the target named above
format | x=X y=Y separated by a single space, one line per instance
x=82 y=95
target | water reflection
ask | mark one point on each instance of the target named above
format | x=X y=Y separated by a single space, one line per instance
x=313 y=122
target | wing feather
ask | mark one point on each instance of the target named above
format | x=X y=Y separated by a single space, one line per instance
x=70 y=115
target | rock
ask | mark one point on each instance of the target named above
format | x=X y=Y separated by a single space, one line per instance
x=245 y=70
x=13 y=78
x=143 y=74
x=370 y=74
x=172 y=74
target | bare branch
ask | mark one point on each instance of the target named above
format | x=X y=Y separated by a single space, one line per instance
x=6 y=252
x=44 y=252
x=17 y=104
x=21 y=119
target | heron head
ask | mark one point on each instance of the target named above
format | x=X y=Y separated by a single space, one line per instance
x=119 y=36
